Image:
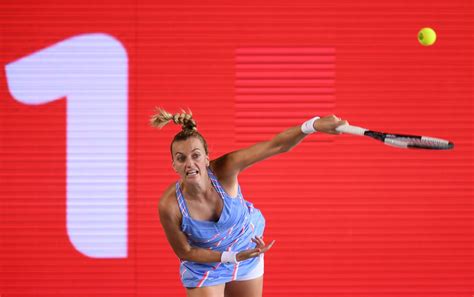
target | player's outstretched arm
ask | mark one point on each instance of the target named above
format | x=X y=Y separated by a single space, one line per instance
x=230 y=165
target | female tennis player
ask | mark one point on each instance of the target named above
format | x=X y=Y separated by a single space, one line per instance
x=216 y=234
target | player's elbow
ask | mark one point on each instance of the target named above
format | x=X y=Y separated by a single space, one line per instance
x=184 y=254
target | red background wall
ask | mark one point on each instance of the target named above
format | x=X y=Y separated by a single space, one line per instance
x=351 y=217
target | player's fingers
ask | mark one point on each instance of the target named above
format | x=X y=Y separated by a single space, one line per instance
x=268 y=247
x=343 y=122
x=253 y=252
x=258 y=241
x=340 y=123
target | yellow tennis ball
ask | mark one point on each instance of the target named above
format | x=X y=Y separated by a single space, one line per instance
x=427 y=36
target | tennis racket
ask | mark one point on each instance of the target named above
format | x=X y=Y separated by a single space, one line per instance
x=399 y=140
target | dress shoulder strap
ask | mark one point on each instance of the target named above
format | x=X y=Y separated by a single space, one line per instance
x=216 y=183
x=181 y=202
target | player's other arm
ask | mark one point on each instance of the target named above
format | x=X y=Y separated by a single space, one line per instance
x=170 y=218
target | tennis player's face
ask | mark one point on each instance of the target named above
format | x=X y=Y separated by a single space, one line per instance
x=190 y=159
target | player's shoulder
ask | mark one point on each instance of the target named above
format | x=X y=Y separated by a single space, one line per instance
x=168 y=200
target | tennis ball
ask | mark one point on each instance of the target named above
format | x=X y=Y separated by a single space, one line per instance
x=427 y=36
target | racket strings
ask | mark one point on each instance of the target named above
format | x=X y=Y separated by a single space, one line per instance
x=422 y=142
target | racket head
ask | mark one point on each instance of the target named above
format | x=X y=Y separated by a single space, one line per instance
x=399 y=140
x=417 y=142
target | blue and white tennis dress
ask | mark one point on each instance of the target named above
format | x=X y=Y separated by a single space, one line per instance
x=238 y=223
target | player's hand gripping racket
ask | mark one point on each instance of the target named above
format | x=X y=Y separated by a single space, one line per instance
x=399 y=140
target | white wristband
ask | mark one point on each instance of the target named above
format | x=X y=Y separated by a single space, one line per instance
x=308 y=126
x=229 y=257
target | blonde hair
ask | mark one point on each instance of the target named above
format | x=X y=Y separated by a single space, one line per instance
x=161 y=118
x=189 y=127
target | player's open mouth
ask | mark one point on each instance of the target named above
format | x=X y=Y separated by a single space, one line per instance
x=192 y=173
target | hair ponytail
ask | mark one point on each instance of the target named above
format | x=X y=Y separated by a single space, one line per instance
x=161 y=118
x=189 y=127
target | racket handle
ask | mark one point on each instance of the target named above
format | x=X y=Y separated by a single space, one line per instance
x=348 y=129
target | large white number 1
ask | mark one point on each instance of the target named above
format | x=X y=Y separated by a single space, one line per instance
x=91 y=71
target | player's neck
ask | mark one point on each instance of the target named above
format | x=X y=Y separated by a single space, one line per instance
x=198 y=191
